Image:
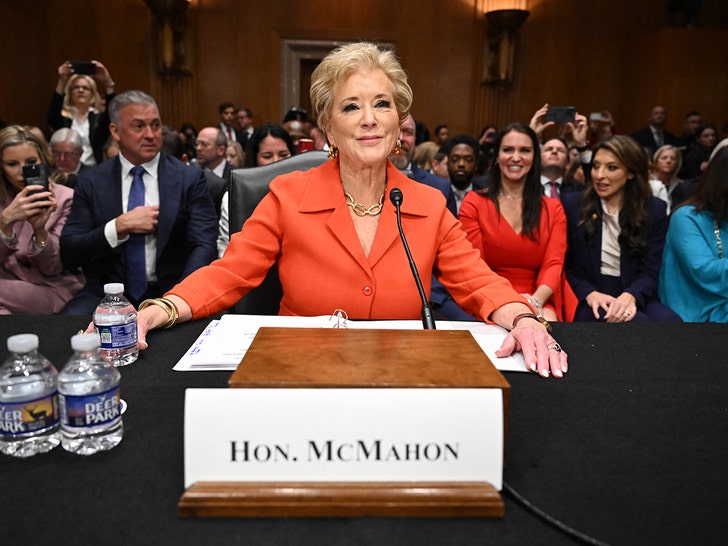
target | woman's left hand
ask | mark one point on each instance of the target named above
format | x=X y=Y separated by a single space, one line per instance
x=541 y=351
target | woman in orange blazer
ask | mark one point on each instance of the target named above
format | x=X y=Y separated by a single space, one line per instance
x=333 y=230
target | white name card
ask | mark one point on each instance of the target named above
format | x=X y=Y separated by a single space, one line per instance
x=343 y=435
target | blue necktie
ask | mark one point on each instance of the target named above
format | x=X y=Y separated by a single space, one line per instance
x=136 y=270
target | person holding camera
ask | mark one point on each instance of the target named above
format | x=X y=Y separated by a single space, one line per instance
x=77 y=104
x=32 y=215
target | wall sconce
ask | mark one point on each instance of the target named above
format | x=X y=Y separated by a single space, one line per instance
x=500 y=41
x=171 y=36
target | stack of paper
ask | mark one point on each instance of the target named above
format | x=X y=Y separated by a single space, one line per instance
x=222 y=345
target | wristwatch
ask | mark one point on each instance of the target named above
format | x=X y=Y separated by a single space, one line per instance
x=531 y=316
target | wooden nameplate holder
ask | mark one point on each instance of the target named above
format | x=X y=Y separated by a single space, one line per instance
x=356 y=358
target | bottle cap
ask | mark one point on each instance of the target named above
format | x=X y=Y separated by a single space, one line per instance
x=85 y=342
x=22 y=343
x=113 y=288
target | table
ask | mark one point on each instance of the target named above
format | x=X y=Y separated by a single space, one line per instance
x=628 y=448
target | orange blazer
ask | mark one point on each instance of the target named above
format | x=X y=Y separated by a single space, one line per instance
x=305 y=224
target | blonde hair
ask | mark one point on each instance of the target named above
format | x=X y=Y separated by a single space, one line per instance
x=347 y=59
x=678 y=157
x=69 y=110
x=424 y=154
x=15 y=135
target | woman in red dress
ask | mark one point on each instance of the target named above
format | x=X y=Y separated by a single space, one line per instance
x=520 y=233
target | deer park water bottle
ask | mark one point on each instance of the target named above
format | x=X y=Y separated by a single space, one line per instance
x=116 y=322
x=88 y=389
x=28 y=400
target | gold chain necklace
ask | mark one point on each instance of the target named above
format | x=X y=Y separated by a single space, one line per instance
x=361 y=210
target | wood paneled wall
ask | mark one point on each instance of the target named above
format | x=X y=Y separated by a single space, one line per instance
x=593 y=55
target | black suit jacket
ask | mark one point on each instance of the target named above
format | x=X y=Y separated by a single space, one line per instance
x=217 y=187
x=639 y=273
x=646 y=139
x=441 y=184
x=186 y=232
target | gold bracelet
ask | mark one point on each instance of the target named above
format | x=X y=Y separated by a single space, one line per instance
x=169 y=307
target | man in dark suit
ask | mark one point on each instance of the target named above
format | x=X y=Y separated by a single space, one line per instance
x=462 y=164
x=554 y=161
x=210 y=147
x=654 y=135
x=244 y=118
x=403 y=161
x=443 y=304
x=143 y=218
x=227 y=123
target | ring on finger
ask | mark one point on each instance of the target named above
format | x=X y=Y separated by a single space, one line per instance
x=627 y=313
x=554 y=347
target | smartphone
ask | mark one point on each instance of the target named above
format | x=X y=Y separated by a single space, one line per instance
x=305 y=145
x=80 y=67
x=561 y=114
x=35 y=174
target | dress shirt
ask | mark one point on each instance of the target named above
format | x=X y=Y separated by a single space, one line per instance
x=611 y=251
x=220 y=169
x=460 y=194
x=82 y=128
x=151 y=197
x=548 y=188
x=229 y=132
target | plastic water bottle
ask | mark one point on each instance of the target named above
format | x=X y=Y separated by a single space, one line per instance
x=28 y=400
x=115 y=320
x=88 y=388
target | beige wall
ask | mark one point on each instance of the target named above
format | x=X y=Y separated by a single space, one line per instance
x=590 y=54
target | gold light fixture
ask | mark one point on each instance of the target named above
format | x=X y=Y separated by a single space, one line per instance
x=172 y=36
x=504 y=18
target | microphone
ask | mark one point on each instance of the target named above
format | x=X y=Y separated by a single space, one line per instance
x=428 y=321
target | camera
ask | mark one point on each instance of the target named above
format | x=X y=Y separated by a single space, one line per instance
x=35 y=174
x=596 y=116
x=561 y=114
x=80 y=67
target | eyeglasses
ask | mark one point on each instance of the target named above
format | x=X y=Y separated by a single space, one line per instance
x=60 y=154
x=80 y=88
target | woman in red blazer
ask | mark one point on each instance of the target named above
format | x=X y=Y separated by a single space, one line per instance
x=333 y=231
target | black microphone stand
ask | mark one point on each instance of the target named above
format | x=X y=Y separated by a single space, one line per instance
x=428 y=320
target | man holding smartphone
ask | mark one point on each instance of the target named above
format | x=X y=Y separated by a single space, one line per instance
x=143 y=218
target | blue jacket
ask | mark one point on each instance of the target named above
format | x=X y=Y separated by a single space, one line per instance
x=693 y=278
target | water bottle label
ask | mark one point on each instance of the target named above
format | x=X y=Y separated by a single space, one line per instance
x=29 y=416
x=92 y=410
x=118 y=336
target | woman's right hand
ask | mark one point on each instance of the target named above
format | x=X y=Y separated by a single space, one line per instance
x=64 y=73
x=537 y=123
x=26 y=206
x=599 y=300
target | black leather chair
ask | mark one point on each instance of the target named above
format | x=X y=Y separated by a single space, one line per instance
x=247 y=188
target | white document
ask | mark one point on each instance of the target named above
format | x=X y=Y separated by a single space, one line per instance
x=222 y=345
x=361 y=435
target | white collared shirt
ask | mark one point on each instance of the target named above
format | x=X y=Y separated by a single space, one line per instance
x=220 y=169
x=151 y=197
x=547 y=187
